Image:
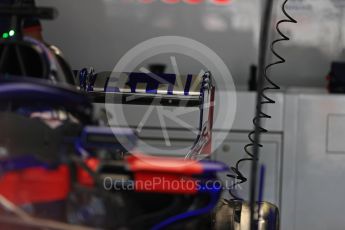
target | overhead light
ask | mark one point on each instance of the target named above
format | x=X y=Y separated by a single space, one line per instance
x=11 y=33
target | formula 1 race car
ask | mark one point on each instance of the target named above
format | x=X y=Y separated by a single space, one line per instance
x=57 y=168
x=47 y=164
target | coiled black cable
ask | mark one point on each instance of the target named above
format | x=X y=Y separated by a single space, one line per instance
x=238 y=176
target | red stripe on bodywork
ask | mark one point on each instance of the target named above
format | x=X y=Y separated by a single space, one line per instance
x=142 y=163
x=84 y=177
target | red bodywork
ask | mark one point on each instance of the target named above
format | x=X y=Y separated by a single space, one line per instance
x=151 y=174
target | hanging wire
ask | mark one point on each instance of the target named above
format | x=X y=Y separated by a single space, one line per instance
x=264 y=84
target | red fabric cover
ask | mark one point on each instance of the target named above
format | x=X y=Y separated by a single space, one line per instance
x=36 y=185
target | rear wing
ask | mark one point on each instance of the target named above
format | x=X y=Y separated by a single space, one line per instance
x=157 y=89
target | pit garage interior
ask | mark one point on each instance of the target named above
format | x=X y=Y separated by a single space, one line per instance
x=172 y=114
